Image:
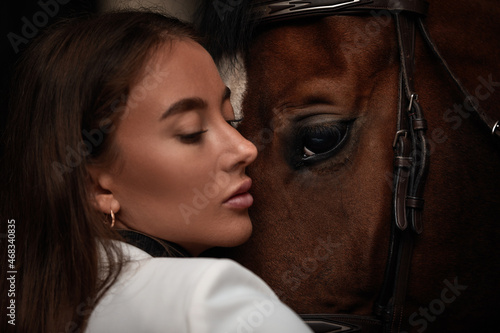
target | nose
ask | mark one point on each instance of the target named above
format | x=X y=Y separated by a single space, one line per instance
x=240 y=151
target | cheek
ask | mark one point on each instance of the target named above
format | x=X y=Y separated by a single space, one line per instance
x=163 y=178
x=155 y=178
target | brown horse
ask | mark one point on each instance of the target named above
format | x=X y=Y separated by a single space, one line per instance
x=321 y=105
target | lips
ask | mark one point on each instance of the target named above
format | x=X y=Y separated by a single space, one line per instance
x=240 y=198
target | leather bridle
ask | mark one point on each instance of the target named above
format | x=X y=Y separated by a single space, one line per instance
x=411 y=154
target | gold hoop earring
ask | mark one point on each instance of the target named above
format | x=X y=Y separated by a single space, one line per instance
x=112 y=219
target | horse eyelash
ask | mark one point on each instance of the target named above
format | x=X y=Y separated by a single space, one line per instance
x=234 y=122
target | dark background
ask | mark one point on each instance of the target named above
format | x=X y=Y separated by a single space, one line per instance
x=11 y=20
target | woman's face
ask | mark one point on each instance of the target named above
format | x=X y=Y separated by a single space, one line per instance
x=180 y=171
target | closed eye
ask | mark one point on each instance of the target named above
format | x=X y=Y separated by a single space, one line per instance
x=191 y=138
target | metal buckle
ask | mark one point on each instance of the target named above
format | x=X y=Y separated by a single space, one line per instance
x=413 y=97
x=495 y=127
x=396 y=137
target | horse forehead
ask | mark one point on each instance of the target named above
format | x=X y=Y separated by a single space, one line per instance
x=336 y=49
x=333 y=46
x=343 y=40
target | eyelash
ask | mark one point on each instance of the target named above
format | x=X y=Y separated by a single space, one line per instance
x=192 y=137
x=195 y=137
x=234 y=122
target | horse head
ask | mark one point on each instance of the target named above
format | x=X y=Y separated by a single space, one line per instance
x=320 y=102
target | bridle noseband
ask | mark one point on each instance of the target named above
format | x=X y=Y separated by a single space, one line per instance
x=411 y=154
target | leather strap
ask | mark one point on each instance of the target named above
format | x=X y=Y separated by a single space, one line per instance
x=414 y=123
x=267 y=11
x=492 y=124
x=409 y=145
x=336 y=323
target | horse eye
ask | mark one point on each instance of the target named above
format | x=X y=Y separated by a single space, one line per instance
x=315 y=139
x=323 y=139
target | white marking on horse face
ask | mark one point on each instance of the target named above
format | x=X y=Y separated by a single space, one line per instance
x=234 y=75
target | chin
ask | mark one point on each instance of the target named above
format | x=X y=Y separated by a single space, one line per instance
x=240 y=234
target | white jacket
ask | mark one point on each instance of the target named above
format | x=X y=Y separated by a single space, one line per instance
x=190 y=295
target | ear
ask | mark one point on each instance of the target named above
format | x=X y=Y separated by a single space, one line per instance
x=101 y=184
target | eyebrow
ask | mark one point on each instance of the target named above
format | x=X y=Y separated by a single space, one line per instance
x=191 y=103
x=183 y=105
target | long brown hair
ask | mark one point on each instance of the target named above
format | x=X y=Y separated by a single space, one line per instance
x=69 y=91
